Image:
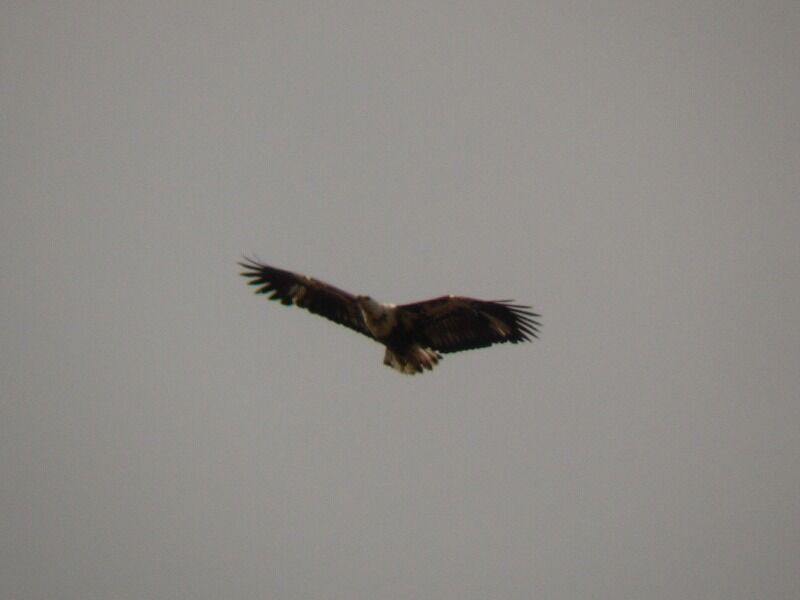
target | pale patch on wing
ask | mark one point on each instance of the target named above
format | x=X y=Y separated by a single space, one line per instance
x=498 y=326
x=298 y=292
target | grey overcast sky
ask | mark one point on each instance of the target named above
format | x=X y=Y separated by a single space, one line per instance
x=629 y=168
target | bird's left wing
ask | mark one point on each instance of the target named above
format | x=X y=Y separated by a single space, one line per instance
x=312 y=294
x=455 y=323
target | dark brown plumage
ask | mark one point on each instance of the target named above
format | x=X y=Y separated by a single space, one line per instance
x=415 y=334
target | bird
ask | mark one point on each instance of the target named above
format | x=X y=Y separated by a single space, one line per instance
x=415 y=335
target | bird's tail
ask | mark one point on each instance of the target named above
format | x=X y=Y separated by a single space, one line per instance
x=414 y=360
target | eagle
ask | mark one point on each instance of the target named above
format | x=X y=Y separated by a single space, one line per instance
x=415 y=335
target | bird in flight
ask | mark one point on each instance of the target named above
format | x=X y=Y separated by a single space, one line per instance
x=415 y=335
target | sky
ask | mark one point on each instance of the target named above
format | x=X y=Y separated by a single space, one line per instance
x=628 y=168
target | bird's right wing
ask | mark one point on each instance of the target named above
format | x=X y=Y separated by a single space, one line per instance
x=315 y=296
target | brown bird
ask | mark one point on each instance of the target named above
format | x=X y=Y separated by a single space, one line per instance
x=415 y=335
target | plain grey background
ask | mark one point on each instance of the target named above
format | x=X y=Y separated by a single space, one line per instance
x=628 y=168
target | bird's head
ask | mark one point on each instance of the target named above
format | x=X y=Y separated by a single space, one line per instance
x=370 y=307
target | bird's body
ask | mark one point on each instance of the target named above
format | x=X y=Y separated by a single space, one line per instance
x=415 y=335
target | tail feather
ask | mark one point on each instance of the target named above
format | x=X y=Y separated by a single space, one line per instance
x=414 y=360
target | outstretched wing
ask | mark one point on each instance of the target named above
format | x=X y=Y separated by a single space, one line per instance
x=315 y=296
x=454 y=323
